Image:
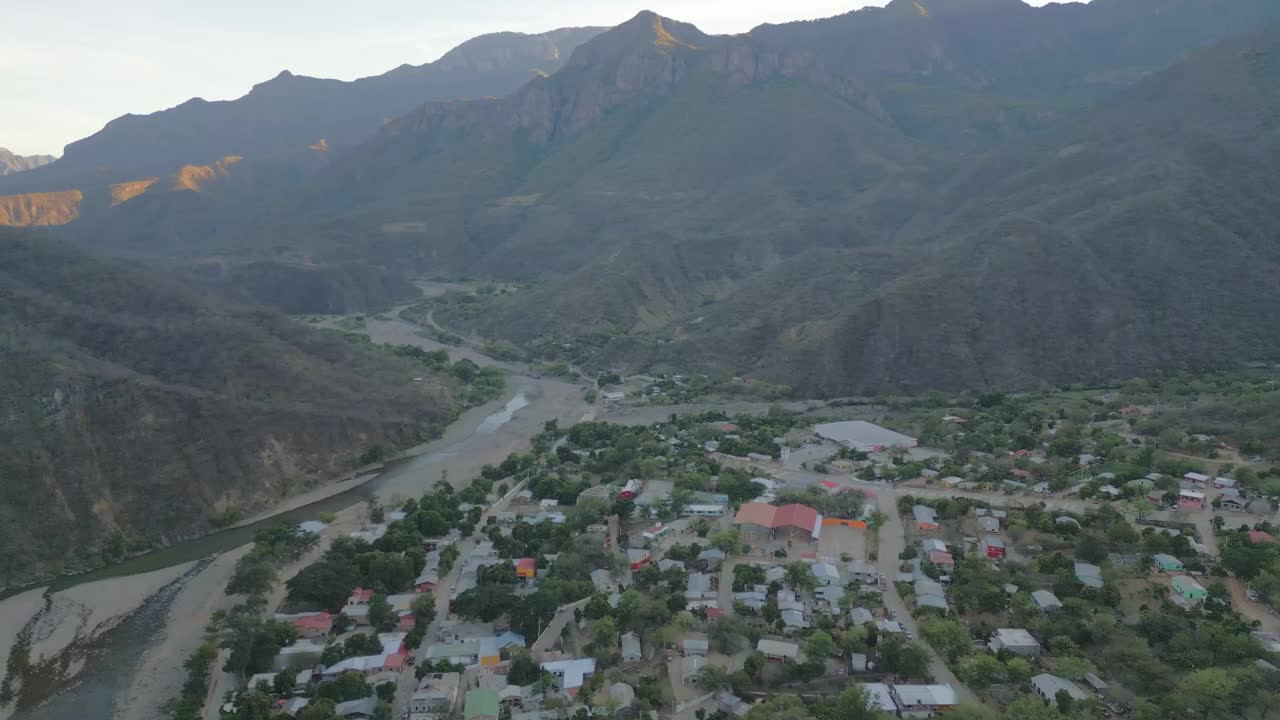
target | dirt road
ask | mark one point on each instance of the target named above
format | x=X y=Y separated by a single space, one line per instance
x=893 y=541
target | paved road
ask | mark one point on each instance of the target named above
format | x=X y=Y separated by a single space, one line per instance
x=554 y=628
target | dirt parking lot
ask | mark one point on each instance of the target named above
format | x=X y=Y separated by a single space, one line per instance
x=838 y=540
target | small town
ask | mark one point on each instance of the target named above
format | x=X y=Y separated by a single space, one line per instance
x=1007 y=562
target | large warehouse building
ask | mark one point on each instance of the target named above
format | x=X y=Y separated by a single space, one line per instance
x=864 y=436
x=771 y=517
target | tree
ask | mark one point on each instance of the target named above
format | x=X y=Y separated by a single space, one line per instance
x=800 y=577
x=1090 y=548
x=819 y=646
x=779 y=707
x=1030 y=707
x=256 y=705
x=524 y=670
x=285 y=682
x=850 y=704
x=254 y=643
x=1063 y=645
x=726 y=540
x=604 y=636
x=950 y=637
x=754 y=664
x=980 y=671
x=729 y=633
x=1244 y=559
x=1064 y=701
x=1207 y=694
x=597 y=607
x=380 y=616
x=1017 y=670
x=486 y=602
x=424 y=608
x=1072 y=668
x=318 y=709
x=255 y=574
x=385 y=691
x=711 y=677
x=908 y=659
x=346 y=687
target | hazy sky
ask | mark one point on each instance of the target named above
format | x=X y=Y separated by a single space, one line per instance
x=69 y=66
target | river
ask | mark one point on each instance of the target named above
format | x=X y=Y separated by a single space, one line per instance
x=114 y=657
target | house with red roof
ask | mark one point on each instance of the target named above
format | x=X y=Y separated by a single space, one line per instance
x=942 y=559
x=794 y=517
x=993 y=546
x=526 y=568
x=1258 y=537
x=359 y=596
x=638 y=558
x=309 y=625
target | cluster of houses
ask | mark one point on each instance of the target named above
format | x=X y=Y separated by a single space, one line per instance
x=910 y=701
x=480 y=652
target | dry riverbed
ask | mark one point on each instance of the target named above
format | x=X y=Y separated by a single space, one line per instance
x=57 y=625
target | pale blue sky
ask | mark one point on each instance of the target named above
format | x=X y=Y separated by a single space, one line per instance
x=69 y=66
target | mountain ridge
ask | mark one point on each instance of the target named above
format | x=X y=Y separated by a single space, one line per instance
x=286 y=114
x=11 y=163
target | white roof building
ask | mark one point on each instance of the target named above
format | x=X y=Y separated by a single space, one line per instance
x=863 y=436
x=1047 y=687
x=1016 y=640
x=571 y=672
x=880 y=697
x=630 y=647
x=1046 y=601
x=923 y=700
x=778 y=649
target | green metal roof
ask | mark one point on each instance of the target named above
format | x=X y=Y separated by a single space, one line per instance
x=481 y=704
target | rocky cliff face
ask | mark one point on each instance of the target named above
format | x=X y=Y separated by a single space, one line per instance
x=134 y=410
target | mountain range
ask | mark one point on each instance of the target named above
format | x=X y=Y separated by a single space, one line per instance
x=933 y=194
x=282 y=130
x=10 y=163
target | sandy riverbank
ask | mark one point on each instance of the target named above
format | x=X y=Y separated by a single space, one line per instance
x=14 y=614
x=548 y=400
x=160 y=675
x=77 y=614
